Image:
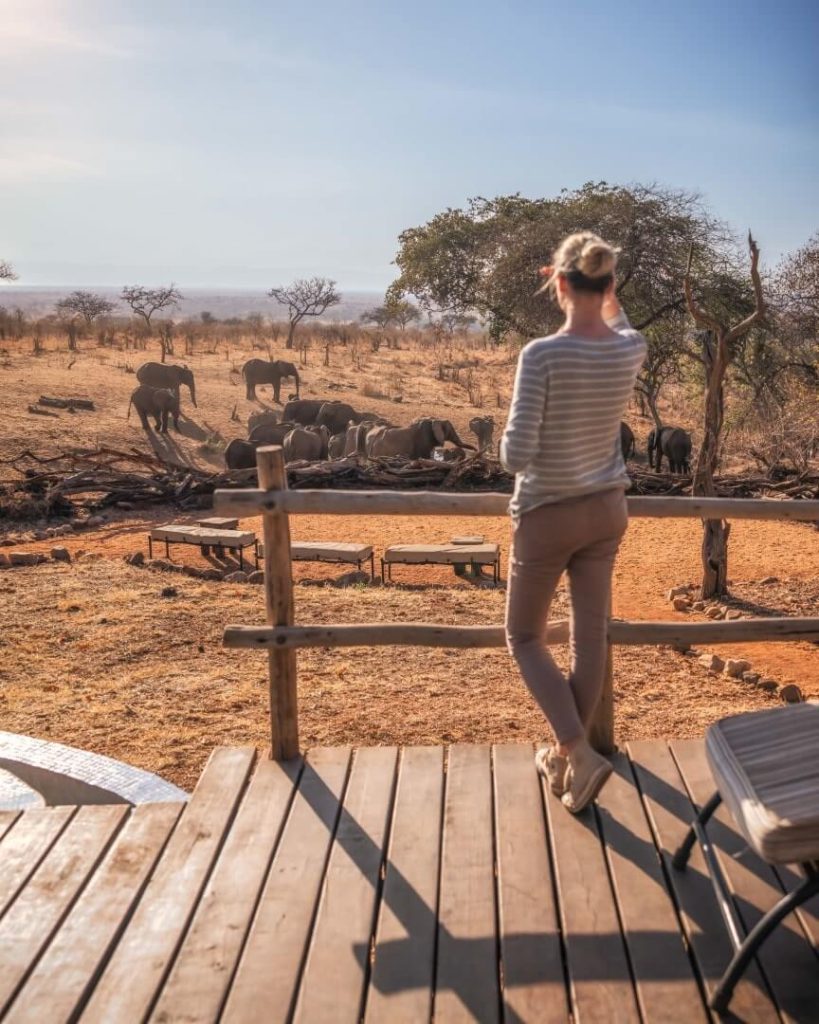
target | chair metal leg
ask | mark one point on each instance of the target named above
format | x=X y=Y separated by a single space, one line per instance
x=756 y=936
x=167 y=550
x=150 y=547
x=683 y=851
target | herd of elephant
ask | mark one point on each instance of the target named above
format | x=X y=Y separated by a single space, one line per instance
x=316 y=429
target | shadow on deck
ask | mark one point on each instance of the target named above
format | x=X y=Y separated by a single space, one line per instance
x=390 y=885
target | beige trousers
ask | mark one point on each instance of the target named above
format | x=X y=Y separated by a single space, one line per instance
x=581 y=537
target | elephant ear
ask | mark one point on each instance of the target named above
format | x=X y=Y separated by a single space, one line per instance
x=439 y=431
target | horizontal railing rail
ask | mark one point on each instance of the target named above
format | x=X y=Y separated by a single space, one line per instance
x=280 y=638
x=489 y=503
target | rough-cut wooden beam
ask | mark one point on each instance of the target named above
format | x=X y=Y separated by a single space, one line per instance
x=437 y=503
x=416 y=634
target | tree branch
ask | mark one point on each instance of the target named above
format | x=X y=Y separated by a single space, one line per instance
x=759 y=312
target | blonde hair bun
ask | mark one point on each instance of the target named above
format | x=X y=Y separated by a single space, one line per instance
x=596 y=258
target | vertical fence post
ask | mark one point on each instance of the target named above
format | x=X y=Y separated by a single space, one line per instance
x=278 y=589
x=601 y=731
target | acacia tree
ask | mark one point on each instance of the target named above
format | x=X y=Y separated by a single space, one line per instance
x=78 y=305
x=144 y=302
x=719 y=346
x=305 y=297
x=7 y=271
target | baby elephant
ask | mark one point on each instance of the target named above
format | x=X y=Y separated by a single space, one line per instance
x=672 y=442
x=157 y=402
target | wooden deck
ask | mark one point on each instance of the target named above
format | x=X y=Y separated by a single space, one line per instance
x=377 y=885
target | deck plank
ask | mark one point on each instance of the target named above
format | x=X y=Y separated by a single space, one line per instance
x=55 y=989
x=667 y=988
x=400 y=989
x=7 y=819
x=204 y=966
x=467 y=983
x=41 y=906
x=599 y=977
x=534 y=984
x=333 y=980
x=25 y=845
x=146 y=950
x=270 y=966
x=670 y=813
x=787 y=958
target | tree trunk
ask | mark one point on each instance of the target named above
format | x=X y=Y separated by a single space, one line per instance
x=291 y=334
x=715 y=531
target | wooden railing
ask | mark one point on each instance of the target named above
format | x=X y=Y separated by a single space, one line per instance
x=281 y=638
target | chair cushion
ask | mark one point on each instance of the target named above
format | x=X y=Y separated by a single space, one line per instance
x=766 y=766
x=446 y=554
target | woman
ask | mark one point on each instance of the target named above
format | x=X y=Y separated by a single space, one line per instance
x=569 y=508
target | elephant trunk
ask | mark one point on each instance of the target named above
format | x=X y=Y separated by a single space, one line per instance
x=192 y=389
x=453 y=437
x=296 y=378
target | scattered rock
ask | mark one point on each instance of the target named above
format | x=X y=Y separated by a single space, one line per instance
x=734 y=667
x=769 y=685
x=169 y=592
x=24 y=558
x=137 y=558
x=40 y=535
x=698 y=606
x=349 y=579
x=211 y=574
x=768 y=580
x=712 y=662
x=681 y=648
x=751 y=677
x=201 y=649
x=681 y=604
x=256 y=577
x=236 y=577
x=681 y=591
x=126 y=506
x=193 y=570
x=89 y=556
x=92 y=522
x=60 y=554
x=715 y=612
x=160 y=565
x=733 y=614
x=791 y=694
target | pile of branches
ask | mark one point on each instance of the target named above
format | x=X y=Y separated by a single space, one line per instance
x=37 y=487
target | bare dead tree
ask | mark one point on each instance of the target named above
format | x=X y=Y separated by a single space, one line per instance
x=719 y=344
x=310 y=297
x=144 y=302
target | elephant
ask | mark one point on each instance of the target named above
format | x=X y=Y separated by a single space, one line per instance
x=157 y=402
x=336 y=445
x=627 y=443
x=356 y=437
x=483 y=427
x=303 y=410
x=167 y=375
x=271 y=433
x=268 y=371
x=415 y=441
x=306 y=443
x=240 y=454
x=675 y=444
x=256 y=419
x=336 y=415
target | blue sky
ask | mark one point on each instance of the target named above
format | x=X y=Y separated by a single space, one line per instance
x=247 y=143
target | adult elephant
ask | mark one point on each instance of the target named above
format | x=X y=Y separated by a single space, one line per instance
x=415 y=441
x=157 y=402
x=257 y=419
x=240 y=454
x=336 y=445
x=306 y=443
x=483 y=427
x=271 y=433
x=335 y=416
x=268 y=371
x=627 y=443
x=672 y=442
x=167 y=375
x=302 y=410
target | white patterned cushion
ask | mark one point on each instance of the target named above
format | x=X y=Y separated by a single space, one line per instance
x=766 y=766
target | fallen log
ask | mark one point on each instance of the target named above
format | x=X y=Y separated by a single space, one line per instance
x=67 y=403
x=42 y=412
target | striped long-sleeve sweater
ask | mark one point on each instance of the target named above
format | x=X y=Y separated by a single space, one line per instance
x=562 y=438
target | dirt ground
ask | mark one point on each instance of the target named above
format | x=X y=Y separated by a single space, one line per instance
x=92 y=655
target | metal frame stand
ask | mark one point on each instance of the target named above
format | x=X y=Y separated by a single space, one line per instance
x=745 y=948
x=475 y=568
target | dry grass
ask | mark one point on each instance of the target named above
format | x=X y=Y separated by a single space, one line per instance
x=93 y=656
